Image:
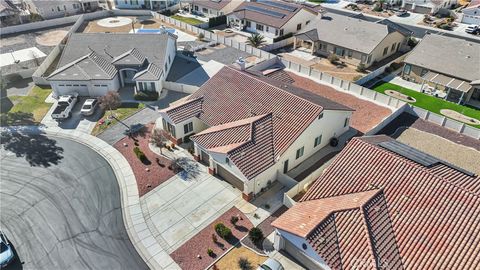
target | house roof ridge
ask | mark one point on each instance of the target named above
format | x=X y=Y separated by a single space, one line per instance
x=233 y=124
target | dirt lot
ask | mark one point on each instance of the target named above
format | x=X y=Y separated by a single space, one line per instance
x=346 y=71
x=93 y=27
x=230 y=261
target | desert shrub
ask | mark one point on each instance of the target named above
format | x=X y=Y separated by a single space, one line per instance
x=214 y=238
x=234 y=220
x=140 y=155
x=201 y=36
x=361 y=67
x=222 y=230
x=146 y=95
x=255 y=234
x=244 y=263
x=210 y=252
x=333 y=58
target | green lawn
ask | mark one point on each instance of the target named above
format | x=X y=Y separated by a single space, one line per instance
x=428 y=102
x=25 y=110
x=126 y=110
x=191 y=21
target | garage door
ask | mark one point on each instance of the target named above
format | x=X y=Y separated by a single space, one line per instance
x=229 y=177
x=300 y=256
x=205 y=158
x=71 y=89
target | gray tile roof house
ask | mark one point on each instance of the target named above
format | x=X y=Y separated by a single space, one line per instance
x=455 y=57
x=119 y=59
x=347 y=32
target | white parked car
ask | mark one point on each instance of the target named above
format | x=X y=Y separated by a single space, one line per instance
x=6 y=252
x=472 y=29
x=89 y=106
x=271 y=264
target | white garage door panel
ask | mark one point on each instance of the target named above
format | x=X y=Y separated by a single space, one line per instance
x=300 y=256
x=68 y=90
x=99 y=91
x=230 y=178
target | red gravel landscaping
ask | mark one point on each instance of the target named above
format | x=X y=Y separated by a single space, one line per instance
x=186 y=255
x=146 y=180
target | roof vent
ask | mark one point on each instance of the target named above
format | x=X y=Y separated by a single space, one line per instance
x=468 y=57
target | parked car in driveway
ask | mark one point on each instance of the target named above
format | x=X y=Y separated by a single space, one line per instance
x=89 y=106
x=401 y=13
x=271 y=264
x=6 y=252
x=64 y=107
x=472 y=29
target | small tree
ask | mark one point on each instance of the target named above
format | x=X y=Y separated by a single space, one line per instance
x=110 y=101
x=255 y=234
x=234 y=220
x=256 y=40
x=244 y=263
x=333 y=58
x=158 y=139
x=361 y=67
x=223 y=231
x=201 y=36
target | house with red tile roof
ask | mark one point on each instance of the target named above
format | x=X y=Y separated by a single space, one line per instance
x=249 y=128
x=384 y=205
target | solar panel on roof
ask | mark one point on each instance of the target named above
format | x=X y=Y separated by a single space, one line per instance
x=277 y=5
x=418 y=156
x=410 y=153
x=265 y=11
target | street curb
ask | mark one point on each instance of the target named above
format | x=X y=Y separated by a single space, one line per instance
x=133 y=218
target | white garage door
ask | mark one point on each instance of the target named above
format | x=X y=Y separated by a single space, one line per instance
x=99 y=90
x=471 y=19
x=300 y=256
x=230 y=178
x=68 y=89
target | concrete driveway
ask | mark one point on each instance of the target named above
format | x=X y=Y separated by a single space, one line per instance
x=77 y=121
x=178 y=209
x=60 y=206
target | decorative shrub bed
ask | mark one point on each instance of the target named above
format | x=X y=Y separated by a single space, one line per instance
x=223 y=231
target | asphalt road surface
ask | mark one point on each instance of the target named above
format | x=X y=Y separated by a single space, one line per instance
x=60 y=207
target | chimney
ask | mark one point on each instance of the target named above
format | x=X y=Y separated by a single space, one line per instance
x=241 y=63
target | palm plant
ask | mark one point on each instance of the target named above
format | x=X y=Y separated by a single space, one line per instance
x=256 y=40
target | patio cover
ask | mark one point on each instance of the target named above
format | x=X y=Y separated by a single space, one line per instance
x=447 y=81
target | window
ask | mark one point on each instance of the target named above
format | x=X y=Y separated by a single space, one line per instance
x=227 y=161
x=424 y=71
x=323 y=47
x=339 y=51
x=248 y=24
x=299 y=26
x=369 y=59
x=320 y=116
x=259 y=27
x=268 y=29
x=300 y=152
x=84 y=85
x=171 y=129
x=166 y=66
x=125 y=2
x=187 y=128
x=276 y=32
x=346 y=122
x=385 y=51
x=398 y=46
x=76 y=85
x=350 y=53
x=169 y=59
x=318 y=141
x=393 y=47
x=152 y=85
x=64 y=7
x=406 y=69
x=196 y=8
x=58 y=8
x=205 y=10
x=281 y=32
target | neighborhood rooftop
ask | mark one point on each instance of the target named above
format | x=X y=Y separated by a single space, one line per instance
x=450 y=56
x=347 y=32
x=109 y=49
x=389 y=204
x=251 y=118
x=212 y=4
x=269 y=12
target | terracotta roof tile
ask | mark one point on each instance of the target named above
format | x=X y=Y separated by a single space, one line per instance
x=427 y=217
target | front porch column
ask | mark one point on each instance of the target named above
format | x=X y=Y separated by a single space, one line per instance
x=448 y=93
x=461 y=98
x=211 y=168
x=294 y=43
x=312 y=48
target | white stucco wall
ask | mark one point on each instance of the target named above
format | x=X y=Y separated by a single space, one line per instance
x=331 y=125
x=298 y=242
x=290 y=27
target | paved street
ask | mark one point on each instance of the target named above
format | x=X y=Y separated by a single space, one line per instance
x=114 y=133
x=60 y=206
